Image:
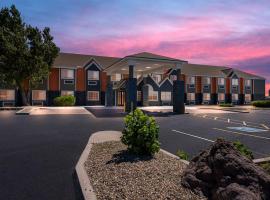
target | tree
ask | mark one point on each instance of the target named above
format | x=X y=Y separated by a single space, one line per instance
x=26 y=53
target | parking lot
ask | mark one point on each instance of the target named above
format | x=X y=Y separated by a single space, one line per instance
x=38 y=152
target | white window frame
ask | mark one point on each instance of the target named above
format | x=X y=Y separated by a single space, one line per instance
x=7 y=98
x=191 y=80
x=152 y=93
x=206 y=95
x=248 y=83
x=235 y=82
x=88 y=95
x=157 y=77
x=68 y=72
x=116 y=77
x=235 y=95
x=206 y=80
x=221 y=81
x=94 y=77
x=43 y=91
x=69 y=82
x=223 y=97
x=67 y=93
x=191 y=96
x=166 y=96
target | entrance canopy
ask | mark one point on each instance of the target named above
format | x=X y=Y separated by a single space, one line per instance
x=144 y=63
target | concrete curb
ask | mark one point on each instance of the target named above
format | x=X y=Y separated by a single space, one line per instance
x=11 y=108
x=261 y=160
x=25 y=111
x=99 y=137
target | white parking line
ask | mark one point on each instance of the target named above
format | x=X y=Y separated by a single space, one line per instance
x=245 y=134
x=266 y=127
x=195 y=136
x=244 y=123
x=215 y=118
x=229 y=120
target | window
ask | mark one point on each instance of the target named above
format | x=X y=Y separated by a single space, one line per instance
x=173 y=77
x=248 y=83
x=93 y=75
x=116 y=77
x=67 y=93
x=152 y=95
x=247 y=97
x=221 y=81
x=206 y=80
x=235 y=97
x=92 y=83
x=139 y=95
x=156 y=77
x=38 y=95
x=68 y=82
x=235 y=82
x=206 y=96
x=93 y=95
x=221 y=96
x=166 y=96
x=67 y=74
x=191 y=96
x=6 y=95
x=206 y=86
x=221 y=87
x=191 y=80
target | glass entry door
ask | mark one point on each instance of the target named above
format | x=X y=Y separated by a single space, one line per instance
x=121 y=98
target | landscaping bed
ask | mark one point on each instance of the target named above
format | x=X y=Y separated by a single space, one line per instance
x=117 y=174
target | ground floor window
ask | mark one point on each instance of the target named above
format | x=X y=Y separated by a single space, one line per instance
x=191 y=96
x=166 y=96
x=247 y=97
x=38 y=95
x=67 y=93
x=93 y=95
x=221 y=97
x=139 y=95
x=152 y=95
x=235 y=97
x=7 y=95
x=206 y=96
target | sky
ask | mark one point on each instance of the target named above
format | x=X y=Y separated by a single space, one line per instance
x=216 y=32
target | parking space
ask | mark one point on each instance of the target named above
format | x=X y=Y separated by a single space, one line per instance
x=196 y=131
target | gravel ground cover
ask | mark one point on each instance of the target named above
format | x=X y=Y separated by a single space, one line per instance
x=116 y=174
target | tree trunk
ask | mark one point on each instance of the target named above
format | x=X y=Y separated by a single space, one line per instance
x=24 y=95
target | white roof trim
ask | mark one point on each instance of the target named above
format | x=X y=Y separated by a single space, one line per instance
x=93 y=61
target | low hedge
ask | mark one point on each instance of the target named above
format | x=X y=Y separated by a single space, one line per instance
x=64 y=101
x=226 y=105
x=261 y=103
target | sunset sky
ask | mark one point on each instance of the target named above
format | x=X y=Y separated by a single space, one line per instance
x=234 y=33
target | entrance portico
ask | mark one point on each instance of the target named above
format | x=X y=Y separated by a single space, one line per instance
x=141 y=65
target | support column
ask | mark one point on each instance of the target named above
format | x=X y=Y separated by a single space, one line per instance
x=109 y=93
x=131 y=91
x=178 y=94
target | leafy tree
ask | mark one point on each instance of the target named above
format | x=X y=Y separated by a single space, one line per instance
x=26 y=53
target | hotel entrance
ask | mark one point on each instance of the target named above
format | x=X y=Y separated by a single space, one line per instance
x=121 y=98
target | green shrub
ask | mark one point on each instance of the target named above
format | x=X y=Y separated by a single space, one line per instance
x=64 y=101
x=266 y=166
x=262 y=103
x=226 y=105
x=182 y=154
x=141 y=133
x=243 y=149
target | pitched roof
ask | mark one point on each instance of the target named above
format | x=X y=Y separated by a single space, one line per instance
x=74 y=60
x=246 y=75
x=153 y=56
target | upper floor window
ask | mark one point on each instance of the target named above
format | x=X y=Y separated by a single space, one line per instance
x=67 y=74
x=156 y=77
x=173 y=77
x=206 y=80
x=191 y=80
x=234 y=81
x=248 y=83
x=221 y=81
x=93 y=75
x=116 y=77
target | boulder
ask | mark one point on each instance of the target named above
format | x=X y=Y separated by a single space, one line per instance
x=222 y=173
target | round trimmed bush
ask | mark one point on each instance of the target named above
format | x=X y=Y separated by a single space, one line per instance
x=64 y=101
x=262 y=103
x=141 y=133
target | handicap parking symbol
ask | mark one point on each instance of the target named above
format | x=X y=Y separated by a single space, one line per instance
x=247 y=129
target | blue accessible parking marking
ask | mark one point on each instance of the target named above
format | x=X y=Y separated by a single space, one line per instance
x=247 y=129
